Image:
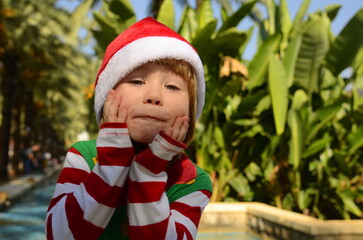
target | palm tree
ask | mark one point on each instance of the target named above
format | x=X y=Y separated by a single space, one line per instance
x=42 y=77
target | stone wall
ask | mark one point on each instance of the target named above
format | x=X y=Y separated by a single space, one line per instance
x=271 y=223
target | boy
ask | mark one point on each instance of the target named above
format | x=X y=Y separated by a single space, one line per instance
x=133 y=182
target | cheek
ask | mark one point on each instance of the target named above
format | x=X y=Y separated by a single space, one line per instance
x=186 y=110
x=185 y=107
x=127 y=100
x=178 y=109
x=180 y=104
x=124 y=104
x=128 y=97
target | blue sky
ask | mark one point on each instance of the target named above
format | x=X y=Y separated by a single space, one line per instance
x=348 y=9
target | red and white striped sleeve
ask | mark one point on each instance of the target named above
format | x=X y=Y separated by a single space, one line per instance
x=149 y=211
x=84 y=201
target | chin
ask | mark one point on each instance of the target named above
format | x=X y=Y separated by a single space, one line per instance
x=143 y=137
x=143 y=140
x=144 y=133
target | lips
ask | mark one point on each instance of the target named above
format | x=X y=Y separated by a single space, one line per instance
x=150 y=117
x=154 y=114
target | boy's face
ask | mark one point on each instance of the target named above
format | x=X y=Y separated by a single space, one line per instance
x=154 y=97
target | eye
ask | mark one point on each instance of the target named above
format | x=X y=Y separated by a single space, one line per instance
x=172 y=87
x=135 y=81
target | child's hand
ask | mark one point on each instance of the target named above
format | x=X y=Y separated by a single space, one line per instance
x=112 y=111
x=180 y=128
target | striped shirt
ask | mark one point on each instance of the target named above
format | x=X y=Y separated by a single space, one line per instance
x=86 y=198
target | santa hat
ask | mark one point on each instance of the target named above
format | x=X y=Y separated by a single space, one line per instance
x=144 y=41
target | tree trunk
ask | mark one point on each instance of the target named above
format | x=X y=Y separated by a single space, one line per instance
x=29 y=115
x=9 y=78
x=17 y=131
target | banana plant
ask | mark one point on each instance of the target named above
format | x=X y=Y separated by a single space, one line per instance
x=300 y=63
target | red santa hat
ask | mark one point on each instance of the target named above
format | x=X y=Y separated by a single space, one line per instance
x=147 y=40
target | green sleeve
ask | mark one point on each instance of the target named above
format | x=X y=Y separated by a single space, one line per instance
x=88 y=150
x=201 y=182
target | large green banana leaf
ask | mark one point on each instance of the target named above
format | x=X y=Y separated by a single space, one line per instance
x=166 y=14
x=236 y=17
x=277 y=82
x=314 y=46
x=346 y=45
x=259 y=64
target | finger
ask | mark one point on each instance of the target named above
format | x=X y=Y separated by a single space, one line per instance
x=108 y=102
x=176 y=128
x=113 y=109
x=121 y=112
x=169 y=131
x=184 y=128
x=109 y=99
x=122 y=115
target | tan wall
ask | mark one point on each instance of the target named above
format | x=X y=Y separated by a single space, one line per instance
x=272 y=223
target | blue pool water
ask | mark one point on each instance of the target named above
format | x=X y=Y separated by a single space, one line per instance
x=25 y=219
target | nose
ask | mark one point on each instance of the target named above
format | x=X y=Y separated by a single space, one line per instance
x=153 y=96
x=153 y=101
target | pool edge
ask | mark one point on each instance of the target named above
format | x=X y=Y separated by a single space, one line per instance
x=273 y=223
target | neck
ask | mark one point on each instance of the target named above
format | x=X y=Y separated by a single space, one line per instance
x=138 y=147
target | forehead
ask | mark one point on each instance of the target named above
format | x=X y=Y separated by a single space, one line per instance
x=156 y=67
x=151 y=67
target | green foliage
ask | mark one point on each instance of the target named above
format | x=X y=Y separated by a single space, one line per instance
x=52 y=72
x=290 y=163
x=166 y=14
x=258 y=65
x=115 y=16
x=316 y=146
x=346 y=46
x=277 y=82
x=287 y=132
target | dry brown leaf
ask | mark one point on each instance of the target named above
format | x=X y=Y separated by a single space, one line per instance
x=233 y=66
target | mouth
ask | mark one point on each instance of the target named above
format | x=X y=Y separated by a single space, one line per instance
x=150 y=117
